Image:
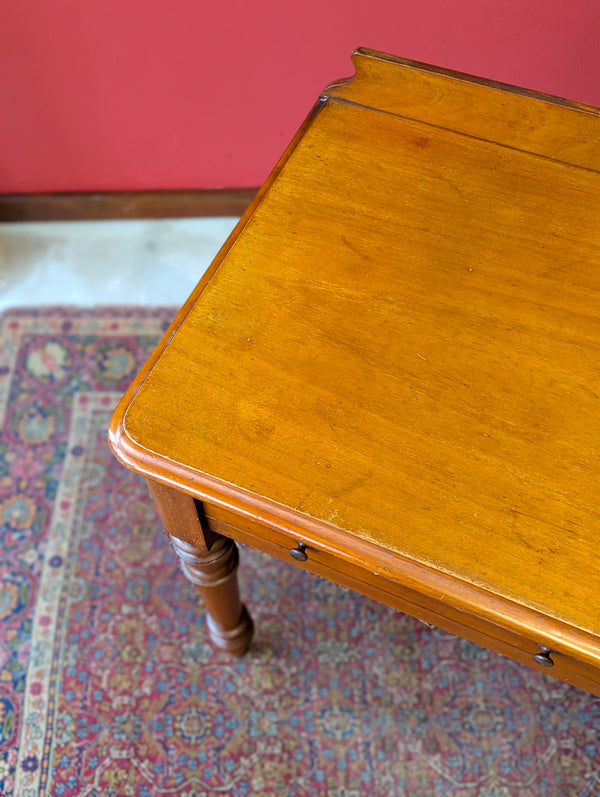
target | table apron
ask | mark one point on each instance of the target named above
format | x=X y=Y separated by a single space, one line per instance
x=393 y=593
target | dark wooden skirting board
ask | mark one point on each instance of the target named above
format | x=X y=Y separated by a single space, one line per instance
x=81 y=206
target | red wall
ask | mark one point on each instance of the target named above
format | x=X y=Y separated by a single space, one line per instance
x=131 y=94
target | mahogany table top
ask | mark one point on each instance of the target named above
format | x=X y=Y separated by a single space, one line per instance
x=398 y=348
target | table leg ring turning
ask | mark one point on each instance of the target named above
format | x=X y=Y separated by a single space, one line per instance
x=215 y=575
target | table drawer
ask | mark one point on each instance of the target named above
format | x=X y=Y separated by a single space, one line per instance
x=338 y=567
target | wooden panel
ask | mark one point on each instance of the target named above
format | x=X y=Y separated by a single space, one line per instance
x=403 y=360
x=495 y=112
x=125 y=205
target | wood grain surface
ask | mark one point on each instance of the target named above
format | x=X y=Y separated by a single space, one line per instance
x=396 y=355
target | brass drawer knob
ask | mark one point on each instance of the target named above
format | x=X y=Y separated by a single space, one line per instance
x=299 y=552
x=543 y=658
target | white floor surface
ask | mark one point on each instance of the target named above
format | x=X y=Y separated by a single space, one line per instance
x=155 y=262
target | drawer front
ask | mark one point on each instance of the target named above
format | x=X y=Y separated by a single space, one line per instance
x=386 y=590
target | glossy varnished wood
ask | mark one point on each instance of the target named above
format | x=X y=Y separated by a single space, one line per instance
x=394 y=359
x=210 y=561
x=495 y=112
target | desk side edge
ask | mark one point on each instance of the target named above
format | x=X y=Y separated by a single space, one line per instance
x=371 y=557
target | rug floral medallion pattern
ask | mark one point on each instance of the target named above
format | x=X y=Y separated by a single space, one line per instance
x=108 y=685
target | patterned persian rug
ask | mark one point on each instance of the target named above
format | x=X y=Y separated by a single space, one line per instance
x=108 y=685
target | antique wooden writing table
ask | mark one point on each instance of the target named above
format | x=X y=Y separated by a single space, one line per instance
x=391 y=372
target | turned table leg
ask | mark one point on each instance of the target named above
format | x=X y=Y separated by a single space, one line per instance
x=210 y=562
